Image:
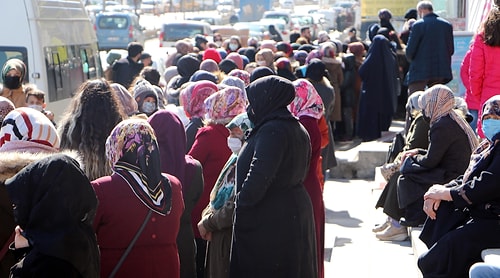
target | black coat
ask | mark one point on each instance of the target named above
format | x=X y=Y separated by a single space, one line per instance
x=125 y=70
x=274 y=232
x=446 y=158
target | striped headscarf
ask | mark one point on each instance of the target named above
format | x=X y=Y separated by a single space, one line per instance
x=27 y=129
x=132 y=151
x=438 y=101
x=307 y=101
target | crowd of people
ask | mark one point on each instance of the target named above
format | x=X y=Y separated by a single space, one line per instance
x=188 y=172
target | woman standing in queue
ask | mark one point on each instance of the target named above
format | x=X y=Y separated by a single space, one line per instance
x=274 y=225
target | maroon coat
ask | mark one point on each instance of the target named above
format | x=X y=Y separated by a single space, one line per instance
x=313 y=187
x=120 y=214
x=211 y=150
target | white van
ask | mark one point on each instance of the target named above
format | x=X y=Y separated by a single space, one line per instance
x=56 y=41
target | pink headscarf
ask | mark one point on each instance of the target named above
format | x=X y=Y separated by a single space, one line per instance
x=236 y=58
x=193 y=96
x=307 y=101
x=226 y=104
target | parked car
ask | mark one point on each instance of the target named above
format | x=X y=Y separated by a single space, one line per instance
x=117 y=30
x=255 y=28
x=212 y=20
x=153 y=7
x=173 y=31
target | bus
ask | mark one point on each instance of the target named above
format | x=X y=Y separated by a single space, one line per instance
x=56 y=41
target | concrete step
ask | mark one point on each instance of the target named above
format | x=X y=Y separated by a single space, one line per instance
x=357 y=160
x=418 y=246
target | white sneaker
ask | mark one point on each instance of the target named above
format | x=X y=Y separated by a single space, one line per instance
x=393 y=234
x=381 y=227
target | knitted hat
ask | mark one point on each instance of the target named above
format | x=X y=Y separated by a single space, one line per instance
x=14 y=64
x=26 y=128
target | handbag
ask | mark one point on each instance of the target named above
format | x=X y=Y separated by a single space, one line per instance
x=448 y=218
x=131 y=245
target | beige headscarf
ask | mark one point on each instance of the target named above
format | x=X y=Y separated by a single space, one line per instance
x=438 y=101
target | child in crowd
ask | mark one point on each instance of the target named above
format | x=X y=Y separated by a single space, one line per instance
x=35 y=99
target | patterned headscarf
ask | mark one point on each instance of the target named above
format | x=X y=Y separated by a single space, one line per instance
x=438 y=101
x=307 y=101
x=224 y=105
x=5 y=107
x=241 y=74
x=27 y=129
x=132 y=151
x=193 y=96
x=232 y=81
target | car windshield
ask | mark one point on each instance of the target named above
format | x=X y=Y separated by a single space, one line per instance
x=112 y=22
x=181 y=31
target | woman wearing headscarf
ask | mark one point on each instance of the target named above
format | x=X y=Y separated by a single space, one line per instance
x=54 y=207
x=284 y=69
x=216 y=224
x=335 y=76
x=378 y=98
x=191 y=100
x=93 y=113
x=186 y=67
x=265 y=58
x=174 y=160
x=20 y=146
x=210 y=148
x=260 y=72
x=232 y=81
x=241 y=74
x=129 y=104
x=451 y=141
x=13 y=74
x=308 y=107
x=478 y=193
x=273 y=227
x=137 y=194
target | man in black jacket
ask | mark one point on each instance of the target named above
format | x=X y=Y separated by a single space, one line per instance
x=126 y=69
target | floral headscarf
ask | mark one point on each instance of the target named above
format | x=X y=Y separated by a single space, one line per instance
x=438 y=101
x=132 y=151
x=224 y=105
x=193 y=96
x=232 y=81
x=307 y=101
x=241 y=74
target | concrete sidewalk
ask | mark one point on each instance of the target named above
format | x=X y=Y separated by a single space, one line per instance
x=351 y=248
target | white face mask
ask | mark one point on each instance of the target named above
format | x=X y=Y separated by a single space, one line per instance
x=36 y=107
x=261 y=63
x=233 y=46
x=234 y=144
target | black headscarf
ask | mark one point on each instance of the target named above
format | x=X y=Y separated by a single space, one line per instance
x=268 y=97
x=260 y=72
x=316 y=70
x=227 y=65
x=55 y=205
x=186 y=66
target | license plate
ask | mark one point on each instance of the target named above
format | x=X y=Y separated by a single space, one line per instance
x=113 y=39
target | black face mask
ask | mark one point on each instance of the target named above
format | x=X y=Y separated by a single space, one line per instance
x=12 y=82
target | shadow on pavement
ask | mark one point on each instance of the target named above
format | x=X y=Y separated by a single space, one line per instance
x=341 y=218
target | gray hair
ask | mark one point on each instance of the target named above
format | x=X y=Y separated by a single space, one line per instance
x=425 y=5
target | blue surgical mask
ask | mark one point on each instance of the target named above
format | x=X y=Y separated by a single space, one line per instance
x=148 y=107
x=490 y=128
